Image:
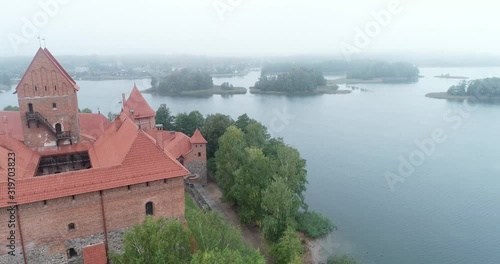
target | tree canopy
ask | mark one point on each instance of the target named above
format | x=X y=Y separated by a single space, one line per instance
x=488 y=87
x=11 y=108
x=156 y=242
x=188 y=123
x=165 y=117
x=384 y=70
x=295 y=80
x=185 y=80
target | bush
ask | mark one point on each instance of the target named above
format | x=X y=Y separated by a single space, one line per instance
x=314 y=224
x=288 y=248
x=341 y=260
x=156 y=241
x=225 y=256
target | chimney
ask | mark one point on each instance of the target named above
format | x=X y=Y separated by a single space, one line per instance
x=118 y=122
x=159 y=138
x=123 y=101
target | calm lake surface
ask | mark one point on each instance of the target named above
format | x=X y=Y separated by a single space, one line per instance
x=446 y=211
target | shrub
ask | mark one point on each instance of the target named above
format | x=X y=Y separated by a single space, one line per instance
x=314 y=224
x=288 y=248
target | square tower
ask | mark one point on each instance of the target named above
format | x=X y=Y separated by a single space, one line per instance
x=48 y=103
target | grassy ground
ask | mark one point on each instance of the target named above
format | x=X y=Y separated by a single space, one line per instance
x=189 y=203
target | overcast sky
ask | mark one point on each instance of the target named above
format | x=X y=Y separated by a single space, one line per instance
x=248 y=27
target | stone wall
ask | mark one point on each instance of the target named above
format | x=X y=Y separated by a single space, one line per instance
x=198 y=167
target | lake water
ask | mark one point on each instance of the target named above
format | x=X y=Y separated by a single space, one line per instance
x=446 y=211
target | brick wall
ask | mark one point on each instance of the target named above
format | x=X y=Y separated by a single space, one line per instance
x=42 y=86
x=45 y=226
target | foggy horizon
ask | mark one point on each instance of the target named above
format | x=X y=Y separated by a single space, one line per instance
x=222 y=28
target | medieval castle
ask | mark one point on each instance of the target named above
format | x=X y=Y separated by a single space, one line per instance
x=71 y=183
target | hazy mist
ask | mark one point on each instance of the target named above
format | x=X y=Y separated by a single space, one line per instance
x=247 y=27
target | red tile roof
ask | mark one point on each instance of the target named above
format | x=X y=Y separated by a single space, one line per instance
x=138 y=105
x=176 y=143
x=11 y=121
x=95 y=254
x=132 y=158
x=197 y=138
x=26 y=159
x=93 y=125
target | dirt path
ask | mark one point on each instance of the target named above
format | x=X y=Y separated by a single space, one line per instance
x=251 y=234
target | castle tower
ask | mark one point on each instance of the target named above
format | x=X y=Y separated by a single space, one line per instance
x=48 y=103
x=196 y=161
x=138 y=109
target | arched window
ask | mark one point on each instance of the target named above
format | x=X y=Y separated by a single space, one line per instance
x=30 y=107
x=149 y=208
x=72 y=253
x=58 y=128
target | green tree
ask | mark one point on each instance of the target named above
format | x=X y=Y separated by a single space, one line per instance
x=154 y=82
x=280 y=204
x=11 y=108
x=214 y=234
x=165 y=117
x=252 y=178
x=256 y=134
x=228 y=159
x=215 y=126
x=288 y=247
x=185 y=80
x=188 y=123
x=289 y=165
x=156 y=242
x=111 y=116
x=242 y=122
x=85 y=110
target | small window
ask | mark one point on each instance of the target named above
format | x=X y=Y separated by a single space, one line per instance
x=45 y=88
x=36 y=89
x=149 y=208
x=54 y=105
x=44 y=202
x=74 y=197
x=72 y=253
x=147 y=184
x=55 y=87
x=164 y=180
x=71 y=226
x=199 y=154
x=128 y=187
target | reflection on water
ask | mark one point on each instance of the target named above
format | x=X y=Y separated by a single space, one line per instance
x=447 y=211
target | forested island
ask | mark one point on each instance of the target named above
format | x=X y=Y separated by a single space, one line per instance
x=5 y=82
x=357 y=71
x=482 y=89
x=296 y=80
x=191 y=82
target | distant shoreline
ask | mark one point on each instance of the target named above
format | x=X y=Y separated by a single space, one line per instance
x=445 y=95
x=452 y=77
x=206 y=92
x=318 y=91
x=375 y=80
